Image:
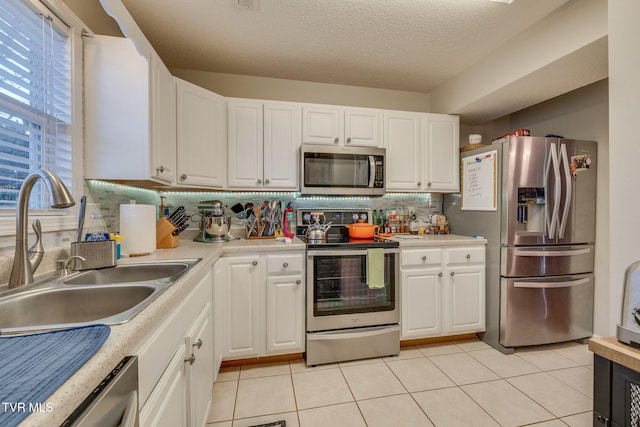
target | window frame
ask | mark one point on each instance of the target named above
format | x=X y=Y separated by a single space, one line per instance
x=62 y=219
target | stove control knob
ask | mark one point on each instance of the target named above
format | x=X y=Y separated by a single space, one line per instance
x=305 y=218
x=355 y=217
x=363 y=217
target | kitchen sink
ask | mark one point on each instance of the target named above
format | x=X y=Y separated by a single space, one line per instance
x=50 y=308
x=109 y=296
x=130 y=273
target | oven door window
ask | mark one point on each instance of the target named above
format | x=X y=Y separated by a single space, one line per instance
x=340 y=286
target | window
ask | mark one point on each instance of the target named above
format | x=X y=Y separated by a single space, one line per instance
x=35 y=99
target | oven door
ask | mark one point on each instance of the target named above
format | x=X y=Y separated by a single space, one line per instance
x=338 y=296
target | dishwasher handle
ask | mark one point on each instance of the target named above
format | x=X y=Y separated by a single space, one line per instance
x=130 y=416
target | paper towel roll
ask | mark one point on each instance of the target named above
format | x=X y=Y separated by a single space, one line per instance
x=138 y=227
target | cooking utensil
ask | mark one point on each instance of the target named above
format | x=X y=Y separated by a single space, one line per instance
x=362 y=230
x=83 y=207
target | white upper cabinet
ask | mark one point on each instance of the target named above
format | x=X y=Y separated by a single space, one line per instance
x=422 y=152
x=130 y=107
x=263 y=145
x=333 y=125
x=202 y=136
x=402 y=137
x=441 y=152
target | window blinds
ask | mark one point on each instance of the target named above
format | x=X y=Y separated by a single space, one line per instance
x=35 y=99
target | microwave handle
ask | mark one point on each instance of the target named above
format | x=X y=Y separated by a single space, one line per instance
x=372 y=171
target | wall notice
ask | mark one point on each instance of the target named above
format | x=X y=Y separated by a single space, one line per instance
x=479 y=182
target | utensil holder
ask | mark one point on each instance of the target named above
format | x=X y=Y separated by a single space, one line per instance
x=164 y=235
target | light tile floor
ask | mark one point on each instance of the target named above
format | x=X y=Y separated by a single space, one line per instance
x=465 y=383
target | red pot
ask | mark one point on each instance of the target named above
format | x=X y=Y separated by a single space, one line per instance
x=362 y=230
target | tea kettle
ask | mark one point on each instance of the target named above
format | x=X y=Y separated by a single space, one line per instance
x=317 y=232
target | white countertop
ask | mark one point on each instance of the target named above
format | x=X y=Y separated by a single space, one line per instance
x=124 y=338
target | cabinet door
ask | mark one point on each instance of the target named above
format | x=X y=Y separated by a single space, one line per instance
x=167 y=405
x=362 y=127
x=421 y=309
x=202 y=143
x=441 y=154
x=163 y=122
x=282 y=139
x=240 y=295
x=285 y=314
x=245 y=144
x=465 y=300
x=200 y=379
x=402 y=137
x=322 y=125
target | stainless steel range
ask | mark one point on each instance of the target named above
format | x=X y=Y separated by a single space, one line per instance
x=352 y=290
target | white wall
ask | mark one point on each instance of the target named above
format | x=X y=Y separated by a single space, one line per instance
x=624 y=149
x=234 y=85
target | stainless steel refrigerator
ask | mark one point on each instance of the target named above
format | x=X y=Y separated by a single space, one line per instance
x=534 y=200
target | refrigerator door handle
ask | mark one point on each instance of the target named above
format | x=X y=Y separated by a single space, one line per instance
x=553 y=166
x=564 y=159
x=551 y=285
x=525 y=252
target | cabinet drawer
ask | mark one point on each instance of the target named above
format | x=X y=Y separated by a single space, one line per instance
x=284 y=264
x=465 y=255
x=420 y=257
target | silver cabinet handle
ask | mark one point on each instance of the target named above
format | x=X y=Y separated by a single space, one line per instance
x=183 y=176
x=197 y=343
x=267 y=181
x=336 y=140
x=440 y=274
x=259 y=181
x=468 y=256
x=254 y=263
x=348 y=140
x=285 y=264
x=298 y=281
x=419 y=183
x=428 y=184
x=160 y=169
x=452 y=273
x=424 y=257
x=190 y=359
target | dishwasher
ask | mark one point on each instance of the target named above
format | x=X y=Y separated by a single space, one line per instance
x=113 y=403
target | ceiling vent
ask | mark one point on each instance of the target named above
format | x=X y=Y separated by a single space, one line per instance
x=247 y=4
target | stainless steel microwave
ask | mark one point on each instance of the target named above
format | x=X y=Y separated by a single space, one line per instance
x=340 y=170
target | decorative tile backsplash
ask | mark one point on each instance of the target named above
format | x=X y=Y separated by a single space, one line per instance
x=107 y=197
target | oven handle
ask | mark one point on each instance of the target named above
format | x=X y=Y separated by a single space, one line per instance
x=339 y=252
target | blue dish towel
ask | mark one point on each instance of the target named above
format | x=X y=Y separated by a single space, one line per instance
x=32 y=367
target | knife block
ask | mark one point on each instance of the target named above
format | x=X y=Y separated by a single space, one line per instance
x=164 y=237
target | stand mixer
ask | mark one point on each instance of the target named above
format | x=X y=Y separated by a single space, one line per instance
x=214 y=225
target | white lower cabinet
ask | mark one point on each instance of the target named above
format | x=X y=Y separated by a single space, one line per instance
x=259 y=303
x=443 y=291
x=175 y=366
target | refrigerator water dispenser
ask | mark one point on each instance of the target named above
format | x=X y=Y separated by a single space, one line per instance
x=628 y=330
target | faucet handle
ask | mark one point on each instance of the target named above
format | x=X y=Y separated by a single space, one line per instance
x=62 y=265
x=36 y=252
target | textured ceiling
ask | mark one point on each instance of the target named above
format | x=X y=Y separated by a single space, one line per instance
x=412 y=45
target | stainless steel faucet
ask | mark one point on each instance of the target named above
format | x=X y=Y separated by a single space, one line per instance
x=26 y=262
